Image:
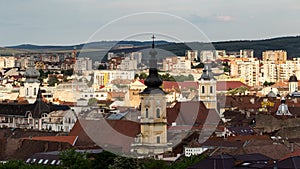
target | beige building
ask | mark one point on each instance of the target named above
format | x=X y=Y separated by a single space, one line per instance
x=128 y=63
x=276 y=72
x=278 y=56
x=191 y=55
x=247 y=53
x=206 y=55
x=7 y=62
x=247 y=69
x=176 y=64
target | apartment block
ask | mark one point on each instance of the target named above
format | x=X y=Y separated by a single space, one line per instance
x=104 y=77
x=206 y=55
x=7 y=62
x=278 y=56
x=83 y=64
x=247 y=69
x=176 y=63
x=273 y=71
x=191 y=55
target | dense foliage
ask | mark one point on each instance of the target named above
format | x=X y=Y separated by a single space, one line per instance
x=105 y=160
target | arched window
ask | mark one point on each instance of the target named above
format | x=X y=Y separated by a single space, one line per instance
x=157 y=113
x=147 y=113
x=203 y=89
x=211 y=89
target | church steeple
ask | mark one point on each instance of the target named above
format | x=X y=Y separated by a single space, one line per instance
x=32 y=84
x=153 y=82
x=153 y=53
x=31 y=73
x=207 y=73
x=153 y=136
x=207 y=88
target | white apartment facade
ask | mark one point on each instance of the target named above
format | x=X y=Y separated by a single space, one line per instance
x=104 y=77
x=128 y=63
x=83 y=64
x=247 y=70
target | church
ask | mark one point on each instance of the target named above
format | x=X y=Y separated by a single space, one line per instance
x=35 y=113
x=160 y=126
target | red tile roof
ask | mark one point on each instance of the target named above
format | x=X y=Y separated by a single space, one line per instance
x=192 y=113
x=64 y=139
x=226 y=85
x=118 y=133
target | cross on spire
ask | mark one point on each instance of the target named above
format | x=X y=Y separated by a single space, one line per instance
x=153 y=37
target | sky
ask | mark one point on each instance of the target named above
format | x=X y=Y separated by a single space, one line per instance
x=68 y=22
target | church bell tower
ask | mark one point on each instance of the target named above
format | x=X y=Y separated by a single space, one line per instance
x=153 y=121
x=207 y=88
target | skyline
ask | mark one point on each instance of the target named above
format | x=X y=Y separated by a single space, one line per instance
x=73 y=22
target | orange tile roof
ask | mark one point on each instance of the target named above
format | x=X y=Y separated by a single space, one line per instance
x=65 y=139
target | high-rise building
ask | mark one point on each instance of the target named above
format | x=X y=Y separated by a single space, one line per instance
x=83 y=64
x=247 y=69
x=278 y=56
x=176 y=63
x=191 y=55
x=246 y=53
x=207 y=55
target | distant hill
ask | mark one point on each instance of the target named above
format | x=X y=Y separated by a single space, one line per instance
x=91 y=45
x=290 y=44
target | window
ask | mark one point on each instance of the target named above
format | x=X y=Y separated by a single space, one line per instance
x=158 y=139
x=34 y=91
x=157 y=113
x=147 y=113
x=211 y=89
x=27 y=91
x=203 y=89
